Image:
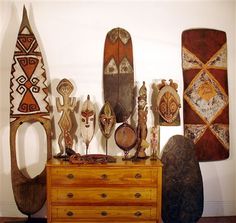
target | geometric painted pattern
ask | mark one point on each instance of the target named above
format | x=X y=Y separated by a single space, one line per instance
x=221 y=131
x=204 y=62
x=28 y=89
x=209 y=99
x=194 y=132
x=124 y=67
x=120 y=33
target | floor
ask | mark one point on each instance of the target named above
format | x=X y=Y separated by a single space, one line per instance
x=218 y=220
x=202 y=220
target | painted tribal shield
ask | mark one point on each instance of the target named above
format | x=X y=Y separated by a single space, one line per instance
x=118 y=74
x=29 y=103
x=206 y=105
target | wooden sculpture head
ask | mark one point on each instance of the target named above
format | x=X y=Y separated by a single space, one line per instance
x=142 y=99
x=65 y=88
x=107 y=120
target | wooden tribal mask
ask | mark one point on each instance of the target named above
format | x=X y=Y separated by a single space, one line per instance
x=88 y=120
x=107 y=120
x=168 y=103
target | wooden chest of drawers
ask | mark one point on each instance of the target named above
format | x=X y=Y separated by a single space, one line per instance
x=123 y=192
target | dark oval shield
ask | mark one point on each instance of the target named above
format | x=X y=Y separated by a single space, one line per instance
x=182 y=193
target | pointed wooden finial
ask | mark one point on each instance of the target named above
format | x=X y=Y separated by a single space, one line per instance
x=25 y=21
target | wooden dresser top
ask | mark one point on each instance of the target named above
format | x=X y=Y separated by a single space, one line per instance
x=119 y=163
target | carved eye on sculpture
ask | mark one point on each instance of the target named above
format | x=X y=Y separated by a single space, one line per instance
x=163 y=107
x=104 y=120
x=173 y=107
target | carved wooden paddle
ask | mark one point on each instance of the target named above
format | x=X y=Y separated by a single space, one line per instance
x=118 y=73
x=29 y=103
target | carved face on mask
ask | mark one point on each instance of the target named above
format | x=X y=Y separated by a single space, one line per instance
x=65 y=87
x=107 y=120
x=168 y=104
x=87 y=120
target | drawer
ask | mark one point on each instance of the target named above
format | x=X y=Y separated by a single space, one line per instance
x=95 y=195
x=103 y=176
x=70 y=213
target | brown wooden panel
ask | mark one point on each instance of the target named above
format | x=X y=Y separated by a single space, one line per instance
x=206 y=114
x=118 y=74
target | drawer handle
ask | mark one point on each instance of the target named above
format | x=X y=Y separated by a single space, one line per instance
x=103 y=195
x=104 y=213
x=70 y=176
x=70 y=213
x=138 y=176
x=70 y=195
x=137 y=195
x=104 y=176
x=138 y=213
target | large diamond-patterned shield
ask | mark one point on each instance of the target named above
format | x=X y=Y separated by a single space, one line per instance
x=206 y=105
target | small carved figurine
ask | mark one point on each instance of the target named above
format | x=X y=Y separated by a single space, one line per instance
x=155 y=142
x=168 y=103
x=142 y=122
x=88 y=120
x=107 y=121
x=65 y=88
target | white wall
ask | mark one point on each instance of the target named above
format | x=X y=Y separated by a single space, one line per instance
x=71 y=35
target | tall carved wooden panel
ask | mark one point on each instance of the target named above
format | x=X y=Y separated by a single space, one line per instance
x=118 y=73
x=29 y=103
x=206 y=101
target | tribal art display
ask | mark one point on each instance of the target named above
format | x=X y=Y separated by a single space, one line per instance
x=206 y=105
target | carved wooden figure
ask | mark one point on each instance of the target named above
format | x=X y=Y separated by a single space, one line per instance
x=155 y=142
x=88 y=121
x=107 y=121
x=168 y=103
x=142 y=122
x=29 y=103
x=65 y=88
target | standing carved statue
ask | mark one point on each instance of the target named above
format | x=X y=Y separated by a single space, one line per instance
x=142 y=122
x=107 y=121
x=155 y=142
x=65 y=88
x=88 y=120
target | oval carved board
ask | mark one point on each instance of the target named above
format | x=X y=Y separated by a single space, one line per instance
x=118 y=74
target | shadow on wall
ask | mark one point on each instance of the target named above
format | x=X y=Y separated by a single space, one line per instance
x=212 y=207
